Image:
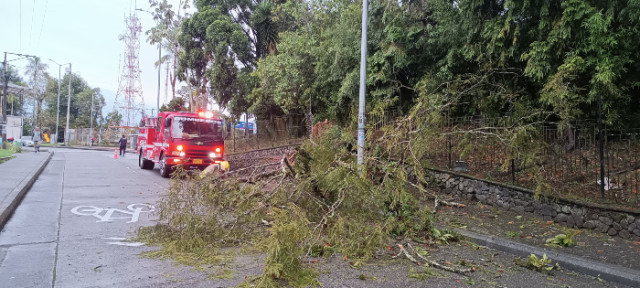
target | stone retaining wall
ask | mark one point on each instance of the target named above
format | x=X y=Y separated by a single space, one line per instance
x=612 y=221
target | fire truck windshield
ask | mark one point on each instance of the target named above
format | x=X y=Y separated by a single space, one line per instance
x=191 y=128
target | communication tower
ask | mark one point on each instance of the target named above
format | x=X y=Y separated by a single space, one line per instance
x=129 y=97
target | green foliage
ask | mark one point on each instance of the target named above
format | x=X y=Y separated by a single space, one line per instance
x=513 y=234
x=327 y=207
x=81 y=100
x=113 y=118
x=537 y=264
x=284 y=82
x=15 y=147
x=176 y=104
x=425 y=274
x=562 y=240
x=552 y=59
x=284 y=245
x=168 y=21
x=6 y=153
x=445 y=236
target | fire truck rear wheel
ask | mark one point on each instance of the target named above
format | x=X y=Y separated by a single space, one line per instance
x=144 y=163
x=165 y=170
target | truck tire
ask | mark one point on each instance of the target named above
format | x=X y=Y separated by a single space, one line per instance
x=144 y=163
x=165 y=170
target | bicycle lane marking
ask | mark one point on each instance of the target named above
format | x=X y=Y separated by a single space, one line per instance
x=133 y=211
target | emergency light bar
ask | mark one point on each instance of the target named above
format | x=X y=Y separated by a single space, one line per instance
x=205 y=114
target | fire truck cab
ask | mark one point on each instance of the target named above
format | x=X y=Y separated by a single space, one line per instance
x=189 y=139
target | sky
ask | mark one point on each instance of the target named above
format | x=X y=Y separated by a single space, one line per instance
x=84 y=33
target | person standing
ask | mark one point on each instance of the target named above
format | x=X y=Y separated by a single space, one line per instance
x=37 y=137
x=123 y=145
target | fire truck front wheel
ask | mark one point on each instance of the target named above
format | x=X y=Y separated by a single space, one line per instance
x=165 y=170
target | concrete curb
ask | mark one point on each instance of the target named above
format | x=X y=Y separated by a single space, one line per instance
x=16 y=195
x=608 y=272
x=6 y=158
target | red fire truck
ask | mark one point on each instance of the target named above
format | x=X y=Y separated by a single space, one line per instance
x=192 y=140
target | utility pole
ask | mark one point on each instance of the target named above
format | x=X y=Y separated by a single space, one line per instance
x=4 y=103
x=58 y=105
x=159 y=63
x=363 y=87
x=91 y=129
x=66 y=131
x=35 y=95
x=159 y=66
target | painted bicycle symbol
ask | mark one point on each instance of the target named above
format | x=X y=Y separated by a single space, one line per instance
x=133 y=211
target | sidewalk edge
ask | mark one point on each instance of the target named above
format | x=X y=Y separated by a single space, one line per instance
x=19 y=191
x=608 y=272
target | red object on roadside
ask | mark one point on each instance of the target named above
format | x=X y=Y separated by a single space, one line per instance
x=115 y=153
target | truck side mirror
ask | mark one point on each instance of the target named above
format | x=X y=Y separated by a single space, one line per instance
x=167 y=125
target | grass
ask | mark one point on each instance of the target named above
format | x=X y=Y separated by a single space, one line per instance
x=6 y=152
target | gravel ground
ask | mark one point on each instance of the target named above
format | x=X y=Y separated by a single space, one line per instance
x=492 y=269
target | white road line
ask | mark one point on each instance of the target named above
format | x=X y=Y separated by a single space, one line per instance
x=129 y=244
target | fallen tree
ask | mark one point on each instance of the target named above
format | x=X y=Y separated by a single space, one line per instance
x=316 y=201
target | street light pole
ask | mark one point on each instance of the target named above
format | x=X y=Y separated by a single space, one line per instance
x=363 y=87
x=4 y=103
x=66 y=130
x=159 y=64
x=58 y=105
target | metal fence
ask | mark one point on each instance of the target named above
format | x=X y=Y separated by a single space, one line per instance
x=268 y=133
x=569 y=162
x=103 y=137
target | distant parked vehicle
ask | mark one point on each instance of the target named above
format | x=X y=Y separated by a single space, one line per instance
x=27 y=141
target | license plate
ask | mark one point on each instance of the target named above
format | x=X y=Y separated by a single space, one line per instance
x=197 y=161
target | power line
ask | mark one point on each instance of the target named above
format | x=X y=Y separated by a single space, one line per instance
x=33 y=12
x=44 y=16
x=20 y=25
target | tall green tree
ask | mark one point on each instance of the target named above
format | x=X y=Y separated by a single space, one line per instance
x=213 y=44
x=168 y=21
x=14 y=102
x=588 y=51
x=80 y=109
x=285 y=79
x=37 y=79
x=113 y=118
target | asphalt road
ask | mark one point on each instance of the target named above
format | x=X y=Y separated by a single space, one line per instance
x=71 y=227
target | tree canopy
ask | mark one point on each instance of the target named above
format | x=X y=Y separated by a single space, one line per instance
x=479 y=58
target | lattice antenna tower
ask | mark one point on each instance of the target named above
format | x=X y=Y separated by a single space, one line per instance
x=129 y=97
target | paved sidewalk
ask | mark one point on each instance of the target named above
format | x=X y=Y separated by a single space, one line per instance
x=16 y=177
